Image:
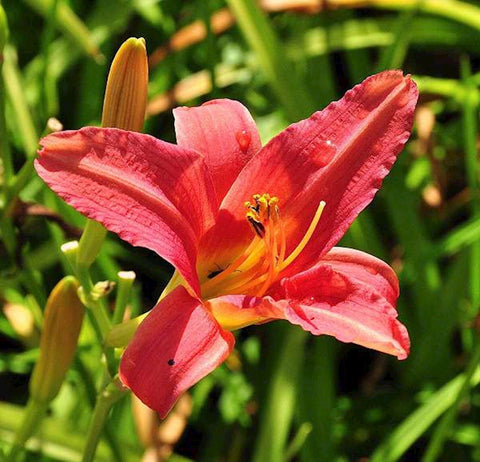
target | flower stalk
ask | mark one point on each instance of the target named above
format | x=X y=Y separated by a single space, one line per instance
x=105 y=400
x=124 y=290
x=61 y=328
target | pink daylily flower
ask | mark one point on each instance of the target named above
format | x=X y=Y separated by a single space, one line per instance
x=250 y=229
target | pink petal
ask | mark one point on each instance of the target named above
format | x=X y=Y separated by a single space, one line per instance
x=151 y=193
x=366 y=269
x=224 y=132
x=339 y=155
x=351 y=296
x=176 y=345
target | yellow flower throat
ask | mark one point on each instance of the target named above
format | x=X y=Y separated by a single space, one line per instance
x=260 y=264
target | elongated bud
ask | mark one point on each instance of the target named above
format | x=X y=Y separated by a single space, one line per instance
x=124 y=107
x=126 y=93
x=61 y=328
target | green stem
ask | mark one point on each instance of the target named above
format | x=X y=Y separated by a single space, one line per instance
x=105 y=400
x=90 y=243
x=31 y=419
x=89 y=385
x=298 y=441
x=95 y=306
x=98 y=312
x=124 y=290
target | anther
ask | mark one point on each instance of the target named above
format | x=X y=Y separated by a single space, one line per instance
x=256 y=225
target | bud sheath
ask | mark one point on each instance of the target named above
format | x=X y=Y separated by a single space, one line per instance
x=61 y=328
x=126 y=93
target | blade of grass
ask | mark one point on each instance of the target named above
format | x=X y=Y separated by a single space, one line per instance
x=279 y=406
x=24 y=124
x=5 y=153
x=411 y=232
x=69 y=24
x=210 y=45
x=462 y=236
x=393 y=56
x=318 y=395
x=443 y=429
x=262 y=39
x=49 y=104
x=470 y=135
x=415 y=425
x=455 y=10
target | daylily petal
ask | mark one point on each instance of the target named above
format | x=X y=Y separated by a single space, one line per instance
x=224 y=132
x=366 y=269
x=237 y=311
x=351 y=303
x=151 y=193
x=339 y=155
x=176 y=345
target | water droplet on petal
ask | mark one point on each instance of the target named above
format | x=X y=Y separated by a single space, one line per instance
x=327 y=151
x=243 y=140
x=309 y=301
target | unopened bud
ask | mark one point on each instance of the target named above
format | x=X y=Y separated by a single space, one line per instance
x=102 y=289
x=61 y=328
x=125 y=99
x=124 y=107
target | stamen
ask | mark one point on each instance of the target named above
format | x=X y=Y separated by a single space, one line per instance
x=264 y=259
x=256 y=225
x=233 y=266
x=305 y=238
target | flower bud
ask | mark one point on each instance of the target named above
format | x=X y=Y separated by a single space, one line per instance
x=124 y=107
x=61 y=327
x=126 y=93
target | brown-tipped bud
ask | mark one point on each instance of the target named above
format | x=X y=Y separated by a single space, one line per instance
x=126 y=93
x=61 y=328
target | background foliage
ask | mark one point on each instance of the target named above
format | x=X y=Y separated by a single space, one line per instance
x=284 y=396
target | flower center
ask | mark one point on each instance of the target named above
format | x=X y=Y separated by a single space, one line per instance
x=260 y=264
